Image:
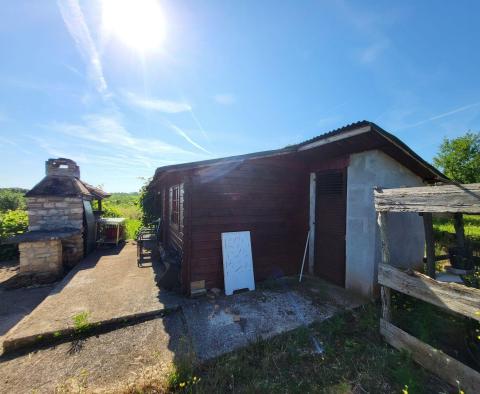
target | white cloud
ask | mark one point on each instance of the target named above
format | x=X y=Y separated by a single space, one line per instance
x=185 y=136
x=166 y=106
x=109 y=130
x=443 y=115
x=75 y=22
x=224 y=98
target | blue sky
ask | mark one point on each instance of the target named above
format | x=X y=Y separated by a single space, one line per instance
x=228 y=78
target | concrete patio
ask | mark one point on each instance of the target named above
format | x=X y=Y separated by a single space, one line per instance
x=107 y=286
x=110 y=287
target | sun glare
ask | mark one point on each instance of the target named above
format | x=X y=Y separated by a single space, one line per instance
x=140 y=24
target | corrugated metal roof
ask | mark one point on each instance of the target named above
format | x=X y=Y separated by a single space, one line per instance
x=390 y=138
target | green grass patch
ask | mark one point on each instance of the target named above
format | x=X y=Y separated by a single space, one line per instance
x=445 y=232
x=356 y=359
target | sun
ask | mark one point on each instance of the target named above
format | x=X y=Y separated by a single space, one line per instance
x=140 y=24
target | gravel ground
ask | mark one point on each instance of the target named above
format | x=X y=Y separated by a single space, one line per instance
x=104 y=363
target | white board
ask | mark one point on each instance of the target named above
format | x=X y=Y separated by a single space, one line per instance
x=237 y=261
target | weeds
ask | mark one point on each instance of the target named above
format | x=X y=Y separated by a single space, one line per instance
x=81 y=323
x=355 y=359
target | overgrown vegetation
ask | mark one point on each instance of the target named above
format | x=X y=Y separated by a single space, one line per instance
x=355 y=359
x=13 y=219
x=125 y=205
x=149 y=203
x=12 y=199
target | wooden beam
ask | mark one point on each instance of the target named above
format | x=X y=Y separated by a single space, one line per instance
x=446 y=198
x=452 y=297
x=459 y=230
x=430 y=243
x=385 y=292
x=432 y=359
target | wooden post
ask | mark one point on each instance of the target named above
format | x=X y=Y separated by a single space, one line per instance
x=385 y=292
x=430 y=244
x=459 y=230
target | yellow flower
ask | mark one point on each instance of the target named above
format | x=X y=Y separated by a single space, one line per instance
x=182 y=384
x=405 y=390
x=477 y=313
x=461 y=392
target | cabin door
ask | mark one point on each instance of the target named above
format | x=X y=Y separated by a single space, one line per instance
x=330 y=219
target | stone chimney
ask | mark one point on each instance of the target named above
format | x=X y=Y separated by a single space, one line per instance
x=57 y=209
x=62 y=167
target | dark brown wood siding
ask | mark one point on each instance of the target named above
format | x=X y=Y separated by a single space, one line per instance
x=268 y=197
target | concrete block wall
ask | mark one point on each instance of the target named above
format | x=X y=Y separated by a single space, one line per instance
x=41 y=257
x=52 y=213
x=365 y=171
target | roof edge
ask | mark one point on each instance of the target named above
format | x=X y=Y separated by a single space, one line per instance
x=347 y=131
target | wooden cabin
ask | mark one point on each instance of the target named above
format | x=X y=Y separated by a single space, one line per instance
x=324 y=184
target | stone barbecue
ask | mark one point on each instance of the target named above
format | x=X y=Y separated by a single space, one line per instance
x=61 y=222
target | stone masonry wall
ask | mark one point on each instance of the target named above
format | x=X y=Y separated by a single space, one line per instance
x=52 y=213
x=72 y=250
x=41 y=257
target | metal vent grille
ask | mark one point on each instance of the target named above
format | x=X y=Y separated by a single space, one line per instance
x=330 y=183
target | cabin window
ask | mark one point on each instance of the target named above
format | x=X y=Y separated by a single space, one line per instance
x=175 y=205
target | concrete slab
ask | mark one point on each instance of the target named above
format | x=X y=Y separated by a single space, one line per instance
x=227 y=323
x=109 y=362
x=107 y=285
x=116 y=360
x=18 y=303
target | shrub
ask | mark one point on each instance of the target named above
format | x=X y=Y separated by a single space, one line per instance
x=12 y=199
x=11 y=223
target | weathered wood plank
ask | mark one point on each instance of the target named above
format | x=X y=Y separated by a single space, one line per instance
x=430 y=243
x=450 y=296
x=385 y=292
x=432 y=359
x=446 y=198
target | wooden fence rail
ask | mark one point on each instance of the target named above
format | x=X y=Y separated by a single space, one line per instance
x=449 y=296
x=451 y=370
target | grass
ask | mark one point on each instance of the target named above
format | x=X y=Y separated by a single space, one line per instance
x=445 y=232
x=355 y=360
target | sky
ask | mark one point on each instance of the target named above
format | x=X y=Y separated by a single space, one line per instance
x=123 y=90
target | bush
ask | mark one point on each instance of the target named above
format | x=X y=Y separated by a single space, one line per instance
x=12 y=199
x=11 y=223
x=110 y=211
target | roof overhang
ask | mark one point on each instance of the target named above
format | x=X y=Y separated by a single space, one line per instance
x=367 y=134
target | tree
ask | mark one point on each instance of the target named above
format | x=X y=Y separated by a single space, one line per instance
x=459 y=158
x=12 y=199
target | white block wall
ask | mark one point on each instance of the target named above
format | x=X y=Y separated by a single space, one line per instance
x=406 y=235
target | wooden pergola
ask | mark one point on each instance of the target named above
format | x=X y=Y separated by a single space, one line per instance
x=452 y=297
